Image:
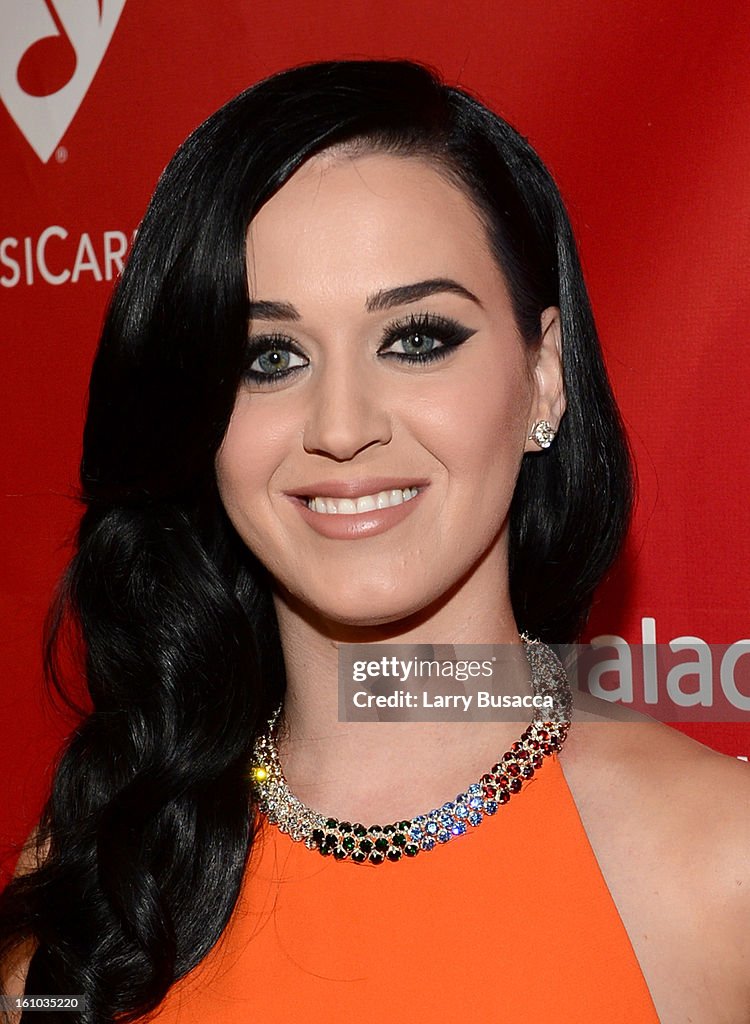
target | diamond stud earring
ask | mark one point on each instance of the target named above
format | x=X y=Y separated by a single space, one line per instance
x=542 y=434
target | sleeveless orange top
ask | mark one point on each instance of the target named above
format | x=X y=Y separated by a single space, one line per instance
x=511 y=921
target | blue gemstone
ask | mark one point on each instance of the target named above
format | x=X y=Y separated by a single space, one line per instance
x=461 y=810
x=419 y=820
x=415 y=832
x=446 y=820
x=490 y=807
x=443 y=835
x=427 y=843
x=476 y=803
x=474 y=789
x=431 y=827
x=461 y=798
x=458 y=828
x=474 y=817
x=448 y=806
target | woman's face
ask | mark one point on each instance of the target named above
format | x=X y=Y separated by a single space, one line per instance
x=386 y=380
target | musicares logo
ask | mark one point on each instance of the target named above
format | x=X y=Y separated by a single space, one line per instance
x=50 y=51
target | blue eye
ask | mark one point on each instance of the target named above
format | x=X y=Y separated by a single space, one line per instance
x=423 y=338
x=415 y=344
x=271 y=359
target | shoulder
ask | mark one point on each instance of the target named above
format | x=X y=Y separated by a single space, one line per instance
x=671 y=817
x=16 y=966
x=33 y=853
x=675 y=793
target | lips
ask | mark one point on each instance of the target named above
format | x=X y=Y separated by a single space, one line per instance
x=327 y=505
x=315 y=504
x=355 y=488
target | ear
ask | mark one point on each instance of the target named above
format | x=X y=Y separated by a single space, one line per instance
x=548 y=402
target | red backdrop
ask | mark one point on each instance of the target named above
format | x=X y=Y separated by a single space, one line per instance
x=642 y=113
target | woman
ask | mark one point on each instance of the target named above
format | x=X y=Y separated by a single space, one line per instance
x=420 y=342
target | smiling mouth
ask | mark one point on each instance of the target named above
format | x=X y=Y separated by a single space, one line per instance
x=366 y=503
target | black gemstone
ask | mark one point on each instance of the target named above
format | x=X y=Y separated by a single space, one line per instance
x=345 y=826
x=411 y=850
x=399 y=839
x=331 y=823
x=358 y=829
x=330 y=840
x=381 y=845
x=389 y=829
x=318 y=835
x=365 y=845
x=339 y=854
x=376 y=858
x=358 y=856
x=348 y=843
x=394 y=855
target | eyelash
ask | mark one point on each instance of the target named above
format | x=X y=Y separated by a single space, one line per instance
x=448 y=332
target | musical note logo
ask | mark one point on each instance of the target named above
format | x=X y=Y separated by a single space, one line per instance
x=50 y=51
x=50 y=62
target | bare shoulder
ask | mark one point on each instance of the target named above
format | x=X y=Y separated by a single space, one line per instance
x=16 y=967
x=33 y=854
x=669 y=821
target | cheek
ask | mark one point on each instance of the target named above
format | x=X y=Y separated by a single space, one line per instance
x=244 y=466
x=479 y=433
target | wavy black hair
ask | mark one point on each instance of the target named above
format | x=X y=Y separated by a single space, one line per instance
x=146 y=829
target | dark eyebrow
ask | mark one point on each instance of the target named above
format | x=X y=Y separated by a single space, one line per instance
x=414 y=292
x=273 y=311
x=385 y=299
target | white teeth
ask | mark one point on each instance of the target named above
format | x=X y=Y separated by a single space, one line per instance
x=367 y=503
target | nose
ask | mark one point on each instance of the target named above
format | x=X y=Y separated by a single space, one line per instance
x=349 y=412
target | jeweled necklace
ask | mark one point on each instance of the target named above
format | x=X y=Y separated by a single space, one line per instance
x=375 y=844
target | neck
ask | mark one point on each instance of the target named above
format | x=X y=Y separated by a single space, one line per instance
x=381 y=770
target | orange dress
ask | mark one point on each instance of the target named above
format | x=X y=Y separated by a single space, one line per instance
x=511 y=921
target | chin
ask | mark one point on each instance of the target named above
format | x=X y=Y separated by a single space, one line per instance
x=358 y=603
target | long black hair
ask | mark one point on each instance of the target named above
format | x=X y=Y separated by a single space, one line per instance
x=147 y=829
